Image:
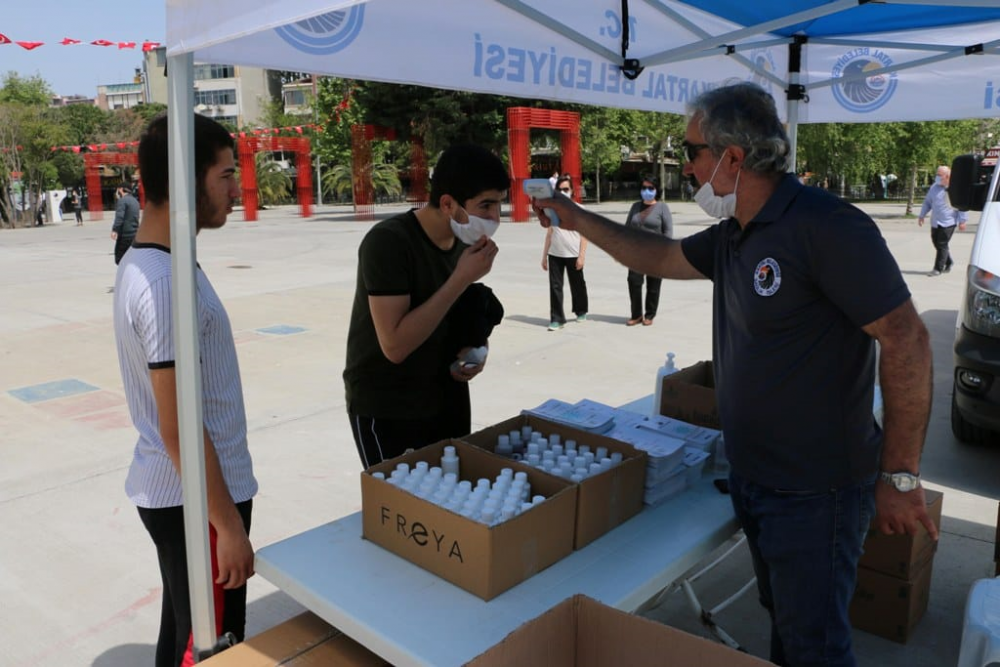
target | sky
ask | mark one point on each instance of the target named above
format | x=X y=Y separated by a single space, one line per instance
x=79 y=69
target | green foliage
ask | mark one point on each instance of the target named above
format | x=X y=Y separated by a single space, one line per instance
x=29 y=91
x=339 y=181
x=273 y=182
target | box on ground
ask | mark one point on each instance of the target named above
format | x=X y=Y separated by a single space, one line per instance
x=605 y=500
x=303 y=641
x=484 y=560
x=890 y=607
x=689 y=395
x=581 y=632
x=901 y=555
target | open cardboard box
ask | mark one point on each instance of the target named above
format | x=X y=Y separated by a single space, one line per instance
x=484 y=560
x=303 y=641
x=689 y=395
x=605 y=500
x=581 y=632
x=901 y=555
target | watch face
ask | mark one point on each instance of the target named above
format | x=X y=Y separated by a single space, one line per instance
x=904 y=482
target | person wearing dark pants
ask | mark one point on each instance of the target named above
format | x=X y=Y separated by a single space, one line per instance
x=410 y=352
x=126 y=221
x=564 y=253
x=653 y=216
x=944 y=219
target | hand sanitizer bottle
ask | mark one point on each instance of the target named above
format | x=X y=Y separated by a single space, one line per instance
x=666 y=369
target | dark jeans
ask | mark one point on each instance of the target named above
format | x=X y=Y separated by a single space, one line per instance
x=577 y=288
x=379 y=439
x=166 y=527
x=805 y=547
x=635 y=295
x=122 y=244
x=940 y=237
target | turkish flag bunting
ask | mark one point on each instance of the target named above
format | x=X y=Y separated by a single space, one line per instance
x=126 y=45
x=76 y=149
x=298 y=129
x=93 y=148
x=121 y=144
x=102 y=42
x=4 y=39
x=68 y=41
x=29 y=45
x=149 y=46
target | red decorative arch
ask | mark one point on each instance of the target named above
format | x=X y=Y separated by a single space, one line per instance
x=248 y=149
x=361 y=168
x=92 y=172
x=520 y=120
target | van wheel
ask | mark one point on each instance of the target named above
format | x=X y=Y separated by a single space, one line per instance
x=962 y=429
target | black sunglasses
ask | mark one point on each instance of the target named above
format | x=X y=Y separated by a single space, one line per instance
x=691 y=150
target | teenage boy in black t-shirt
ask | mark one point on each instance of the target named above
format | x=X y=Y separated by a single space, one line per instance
x=403 y=390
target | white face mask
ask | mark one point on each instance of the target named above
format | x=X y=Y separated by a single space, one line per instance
x=711 y=203
x=475 y=229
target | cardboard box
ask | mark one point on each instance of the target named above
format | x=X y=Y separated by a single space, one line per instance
x=901 y=555
x=581 y=632
x=484 y=560
x=890 y=607
x=689 y=395
x=303 y=641
x=604 y=501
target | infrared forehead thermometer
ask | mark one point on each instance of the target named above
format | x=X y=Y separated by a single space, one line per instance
x=540 y=188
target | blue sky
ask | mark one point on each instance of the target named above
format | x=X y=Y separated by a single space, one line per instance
x=81 y=68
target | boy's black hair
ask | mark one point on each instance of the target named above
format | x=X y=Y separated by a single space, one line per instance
x=209 y=138
x=464 y=171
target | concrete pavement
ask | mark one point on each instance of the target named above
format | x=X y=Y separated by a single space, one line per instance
x=78 y=576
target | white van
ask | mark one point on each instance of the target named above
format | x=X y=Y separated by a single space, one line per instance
x=975 y=402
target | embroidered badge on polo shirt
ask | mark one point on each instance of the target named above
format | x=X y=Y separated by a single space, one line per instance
x=767 y=277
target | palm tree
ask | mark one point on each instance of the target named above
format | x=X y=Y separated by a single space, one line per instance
x=273 y=182
x=339 y=180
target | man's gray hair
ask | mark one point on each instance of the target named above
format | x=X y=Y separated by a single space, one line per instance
x=743 y=115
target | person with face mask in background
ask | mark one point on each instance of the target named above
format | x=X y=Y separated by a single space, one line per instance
x=803 y=287
x=652 y=215
x=944 y=219
x=404 y=388
x=565 y=252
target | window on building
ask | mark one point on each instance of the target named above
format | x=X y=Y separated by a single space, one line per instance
x=214 y=98
x=295 y=98
x=204 y=72
x=231 y=121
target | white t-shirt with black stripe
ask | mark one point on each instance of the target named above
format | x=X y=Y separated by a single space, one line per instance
x=144 y=336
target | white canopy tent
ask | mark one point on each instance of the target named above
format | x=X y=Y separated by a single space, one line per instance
x=822 y=60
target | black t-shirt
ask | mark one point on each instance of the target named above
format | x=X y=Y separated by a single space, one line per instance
x=794 y=370
x=396 y=257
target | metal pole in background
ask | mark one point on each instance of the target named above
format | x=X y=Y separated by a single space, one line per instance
x=319 y=176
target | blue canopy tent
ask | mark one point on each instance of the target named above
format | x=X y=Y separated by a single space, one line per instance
x=822 y=60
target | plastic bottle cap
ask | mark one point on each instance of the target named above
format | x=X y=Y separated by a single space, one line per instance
x=520 y=476
x=403 y=467
x=537 y=499
x=449 y=450
x=571 y=443
x=378 y=475
x=422 y=466
x=554 y=438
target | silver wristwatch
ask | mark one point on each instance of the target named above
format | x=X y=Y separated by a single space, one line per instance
x=901 y=481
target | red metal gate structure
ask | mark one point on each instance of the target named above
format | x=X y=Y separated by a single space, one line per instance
x=362 y=137
x=92 y=162
x=520 y=120
x=248 y=149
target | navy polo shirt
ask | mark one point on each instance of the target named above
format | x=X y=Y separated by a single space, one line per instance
x=794 y=371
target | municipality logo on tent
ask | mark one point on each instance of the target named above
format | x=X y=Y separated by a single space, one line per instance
x=860 y=91
x=324 y=34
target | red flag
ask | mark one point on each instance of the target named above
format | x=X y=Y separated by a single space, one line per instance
x=134 y=143
x=102 y=42
x=68 y=41
x=104 y=147
x=121 y=145
x=55 y=148
x=4 y=39
x=29 y=45
x=76 y=149
x=149 y=46
x=92 y=148
x=126 y=45
x=298 y=128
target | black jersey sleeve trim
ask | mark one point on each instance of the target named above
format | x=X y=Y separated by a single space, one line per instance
x=156 y=365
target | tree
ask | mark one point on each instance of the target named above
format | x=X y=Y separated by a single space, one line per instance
x=273 y=182
x=30 y=91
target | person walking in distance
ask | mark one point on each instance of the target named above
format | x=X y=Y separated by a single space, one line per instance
x=563 y=253
x=944 y=219
x=126 y=221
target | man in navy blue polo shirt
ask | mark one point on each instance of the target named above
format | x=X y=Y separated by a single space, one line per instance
x=804 y=285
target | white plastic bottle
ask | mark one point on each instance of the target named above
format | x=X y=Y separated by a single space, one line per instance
x=666 y=369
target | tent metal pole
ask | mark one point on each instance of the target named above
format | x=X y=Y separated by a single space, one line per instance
x=795 y=93
x=186 y=353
